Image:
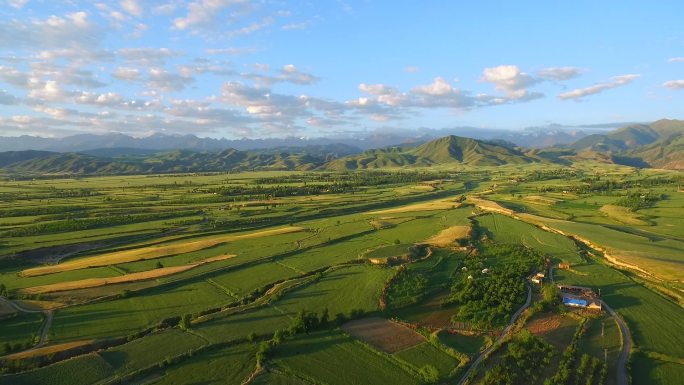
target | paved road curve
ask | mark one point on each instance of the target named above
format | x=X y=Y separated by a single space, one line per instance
x=46 y=325
x=514 y=318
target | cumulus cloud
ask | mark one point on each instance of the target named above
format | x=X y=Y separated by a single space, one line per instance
x=147 y=56
x=48 y=90
x=614 y=82
x=81 y=55
x=13 y=76
x=72 y=30
x=133 y=7
x=289 y=73
x=674 y=84
x=127 y=74
x=161 y=80
x=203 y=13
x=508 y=78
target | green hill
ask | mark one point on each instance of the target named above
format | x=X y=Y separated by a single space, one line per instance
x=443 y=151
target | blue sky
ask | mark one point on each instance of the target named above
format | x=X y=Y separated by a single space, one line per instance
x=241 y=68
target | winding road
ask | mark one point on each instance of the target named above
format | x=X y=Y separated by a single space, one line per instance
x=503 y=335
x=46 y=325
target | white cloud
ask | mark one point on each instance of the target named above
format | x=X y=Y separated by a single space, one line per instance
x=148 y=56
x=438 y=87
x=18 y=4
x=674 y=84
x=676 y=60
x=616 y=81
x=202 y=13
x=253 y=27
x=126 y=74
x=508 y=78
x=13 y=76
x=75 y=55
x=106 y=99
x=73 y=30
x=132 y=6
x=161 y=80
x=411 y=69
x=560 y=73
x=47 y=91
x=289 y=73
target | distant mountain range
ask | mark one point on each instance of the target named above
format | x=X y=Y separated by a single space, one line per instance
x=119 y=144
x=660 y=144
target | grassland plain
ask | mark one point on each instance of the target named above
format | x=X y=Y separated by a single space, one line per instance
x=338 y=227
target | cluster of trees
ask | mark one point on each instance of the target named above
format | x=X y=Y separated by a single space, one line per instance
x=638 y=200
x=72 y=224
x=408 y=289
x=525 y=358
x=488 y=300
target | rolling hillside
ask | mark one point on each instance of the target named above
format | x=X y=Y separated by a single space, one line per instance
x=443 y=151
x=659 y=144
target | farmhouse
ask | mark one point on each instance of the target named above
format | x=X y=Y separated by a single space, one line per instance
x=538 y=278
x=580 y=297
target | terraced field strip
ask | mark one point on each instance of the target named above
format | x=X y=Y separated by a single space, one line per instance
x=623 y=214
x=47 y=350
x=151 y=252
x=441 y=204
x=132 y=277
x=448 y=236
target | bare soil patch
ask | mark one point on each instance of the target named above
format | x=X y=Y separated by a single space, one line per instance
x=385 y=335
